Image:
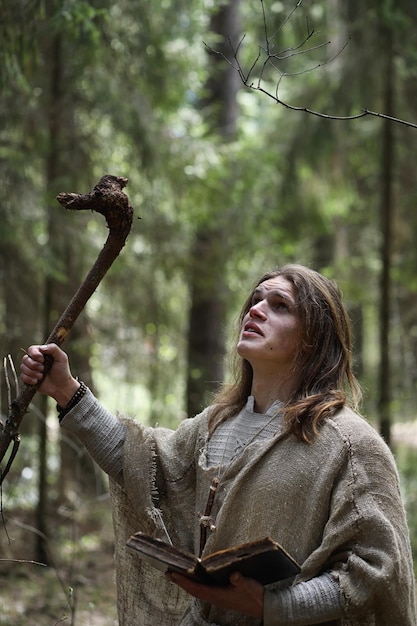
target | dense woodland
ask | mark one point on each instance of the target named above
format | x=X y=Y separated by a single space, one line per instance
x=229 y=120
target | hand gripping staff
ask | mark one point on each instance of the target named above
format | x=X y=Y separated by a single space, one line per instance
x=108 y=199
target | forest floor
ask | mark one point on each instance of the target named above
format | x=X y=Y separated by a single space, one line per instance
x=77 y=588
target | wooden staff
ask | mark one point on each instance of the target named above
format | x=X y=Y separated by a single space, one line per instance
x=108 y=199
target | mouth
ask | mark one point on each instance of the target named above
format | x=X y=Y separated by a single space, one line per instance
x=251 y=327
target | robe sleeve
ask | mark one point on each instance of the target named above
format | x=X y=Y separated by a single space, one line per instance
x=101 y=433
x=304 y=604
x=366 y=543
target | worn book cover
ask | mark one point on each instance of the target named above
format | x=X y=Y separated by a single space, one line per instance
x=263 y=559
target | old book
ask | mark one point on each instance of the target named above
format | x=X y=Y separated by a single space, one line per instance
x=263 y=559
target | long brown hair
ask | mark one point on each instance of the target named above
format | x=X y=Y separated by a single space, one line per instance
x=326 y=381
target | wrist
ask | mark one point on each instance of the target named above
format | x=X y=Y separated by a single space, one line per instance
x=78 y=395
x=63 y=394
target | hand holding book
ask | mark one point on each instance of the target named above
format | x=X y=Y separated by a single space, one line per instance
x=242 y=594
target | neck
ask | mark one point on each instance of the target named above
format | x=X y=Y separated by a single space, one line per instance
x=267 y=392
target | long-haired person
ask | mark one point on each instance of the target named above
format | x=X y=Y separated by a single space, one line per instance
x=281 y=452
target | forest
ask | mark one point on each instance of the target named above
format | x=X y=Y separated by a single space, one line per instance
x=252 y=133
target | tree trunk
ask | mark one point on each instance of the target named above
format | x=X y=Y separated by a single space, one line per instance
x=63 y=266
x=41 y=506
x=207 y=318
x=53 y=52
x=386 y=217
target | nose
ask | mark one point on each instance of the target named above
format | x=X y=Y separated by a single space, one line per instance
x=256 y=310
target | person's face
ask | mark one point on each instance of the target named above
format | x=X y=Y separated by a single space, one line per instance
x=271 y=330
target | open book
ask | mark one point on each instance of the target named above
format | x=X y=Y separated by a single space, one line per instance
x=263 y=559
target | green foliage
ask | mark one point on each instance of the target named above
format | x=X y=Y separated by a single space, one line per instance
x=290 y=186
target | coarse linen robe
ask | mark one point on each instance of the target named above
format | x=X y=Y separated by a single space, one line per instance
x=334 y=504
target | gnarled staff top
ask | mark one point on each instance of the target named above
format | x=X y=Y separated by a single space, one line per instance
x=106 y=198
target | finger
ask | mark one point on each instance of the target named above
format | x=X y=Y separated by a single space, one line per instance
x=53 y=350
x=30 y=365
x=236 y=579
x=198 y=590
x=251 y=590
x=34 y=353
x=29 y=375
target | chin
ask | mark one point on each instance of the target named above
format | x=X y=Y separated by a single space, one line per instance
x=243 y=351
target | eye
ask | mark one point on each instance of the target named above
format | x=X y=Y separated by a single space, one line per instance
x=278 y=304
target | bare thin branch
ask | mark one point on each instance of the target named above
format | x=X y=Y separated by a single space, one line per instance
x=308 y=69
x=390 y=118
x=297 y=50
x=7 y=381
x=271 y=59
x=23 y=561
x=13 y=369
x=283 y=23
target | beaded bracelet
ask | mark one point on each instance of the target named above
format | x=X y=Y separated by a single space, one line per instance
x=80 y=393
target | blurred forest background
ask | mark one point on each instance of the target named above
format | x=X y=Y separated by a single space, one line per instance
x=228 y=181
